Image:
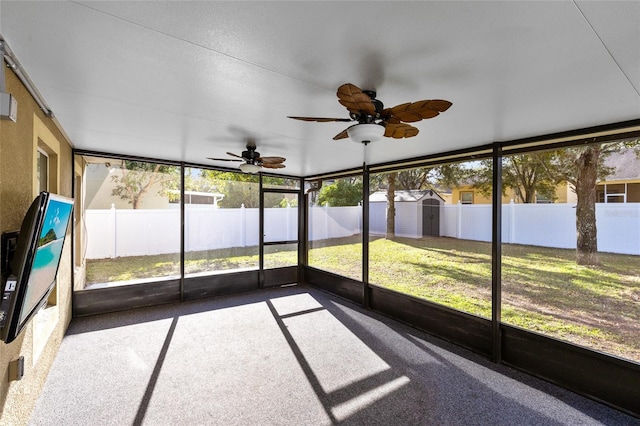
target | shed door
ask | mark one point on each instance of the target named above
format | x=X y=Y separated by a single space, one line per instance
x=431 y=217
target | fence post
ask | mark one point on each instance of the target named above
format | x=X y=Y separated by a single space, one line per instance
x=418 y=222
x=459 y=220
x=288 y=222
x=187 y=212
x=512 y=221
x=309 y=220
x=114 y=242
x=243 y=225
x=326 y=221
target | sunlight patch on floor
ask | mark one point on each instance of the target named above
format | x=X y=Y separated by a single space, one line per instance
x=364 y=400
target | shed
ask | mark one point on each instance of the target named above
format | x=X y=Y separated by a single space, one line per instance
x=417 y=213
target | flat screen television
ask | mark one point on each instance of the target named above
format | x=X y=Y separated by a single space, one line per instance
x=31 y=261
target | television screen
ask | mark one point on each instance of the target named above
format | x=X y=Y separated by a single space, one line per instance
x=48 y=252
x=34 y=266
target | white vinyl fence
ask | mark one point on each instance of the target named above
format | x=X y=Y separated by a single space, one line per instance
x=114 y=233
x=334 y=222
x=546 y=225
x=408 y=219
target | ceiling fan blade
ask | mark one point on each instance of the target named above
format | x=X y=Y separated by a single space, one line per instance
x=399 y=131
x=222 y=159
x=273 y=166
x=439 y=104
x=321 y=119
x=343 y=134
x=355 y=100
x=234 y=155
x=271 y=160
x=411 y=112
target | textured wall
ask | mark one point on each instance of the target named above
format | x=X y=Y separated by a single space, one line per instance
x=18 y=143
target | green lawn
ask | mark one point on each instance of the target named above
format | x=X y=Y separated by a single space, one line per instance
x=543 y=288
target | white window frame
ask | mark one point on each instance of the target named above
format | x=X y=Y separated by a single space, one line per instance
x=39 y=172
x=613 y=195
x=462 y=193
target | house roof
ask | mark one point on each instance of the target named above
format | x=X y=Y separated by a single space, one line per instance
x=405 y=196
x=626 y=163
x=184 y=81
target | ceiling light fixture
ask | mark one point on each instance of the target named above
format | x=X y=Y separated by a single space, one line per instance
x=249 y=168
x=365 y=133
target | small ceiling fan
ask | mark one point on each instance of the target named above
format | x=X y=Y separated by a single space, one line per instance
x=369 y=112
x=251 y=160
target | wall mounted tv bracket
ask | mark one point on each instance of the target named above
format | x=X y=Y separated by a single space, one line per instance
x=9 y=241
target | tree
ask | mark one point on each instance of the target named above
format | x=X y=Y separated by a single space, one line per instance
x=239 y=189
x=587 y=163
x=540 y=173
x=416 y=178
x=342 y=192
x=242 y=189
x=419 y=178
x=136 y=178
x=528 y=175
x=582 y=167
x=391 y=205
x=194 y=180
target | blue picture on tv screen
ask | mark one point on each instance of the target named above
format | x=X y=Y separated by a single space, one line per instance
x=48 y=253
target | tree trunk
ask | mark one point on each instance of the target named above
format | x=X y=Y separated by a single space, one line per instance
x=529 y=195
x=586 y=231
x=391 y=205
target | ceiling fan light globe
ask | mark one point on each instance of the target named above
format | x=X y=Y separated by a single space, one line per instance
x=249 y=168
x=365 y=133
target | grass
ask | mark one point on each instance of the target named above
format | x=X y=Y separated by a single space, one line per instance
x=543 y=289
x=167 y=265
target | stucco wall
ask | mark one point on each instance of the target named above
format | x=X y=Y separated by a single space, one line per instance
x=18 y=146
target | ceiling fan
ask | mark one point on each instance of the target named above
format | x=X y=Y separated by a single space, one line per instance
x=374 y=120
x=251 y=160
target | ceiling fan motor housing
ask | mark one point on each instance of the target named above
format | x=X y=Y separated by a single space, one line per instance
x=251 y=160
x=376 y=103
x=250 y=155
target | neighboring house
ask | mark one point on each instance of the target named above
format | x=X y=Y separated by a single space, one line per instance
x=467 y=194
x=198 y=198
x=623 y=185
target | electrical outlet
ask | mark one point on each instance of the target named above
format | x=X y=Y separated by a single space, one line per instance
x=16 y=369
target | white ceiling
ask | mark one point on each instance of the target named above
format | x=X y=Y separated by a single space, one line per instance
x=188 y=80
